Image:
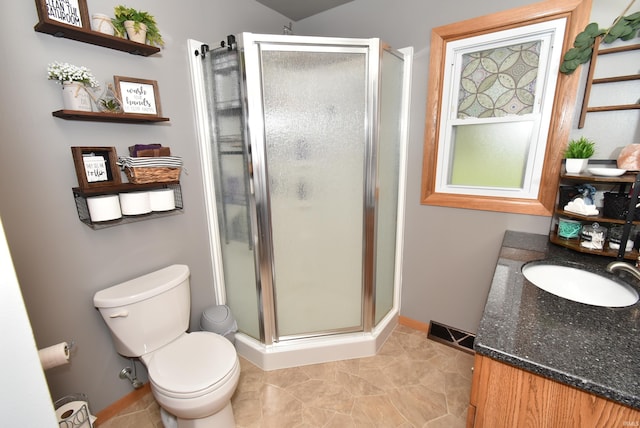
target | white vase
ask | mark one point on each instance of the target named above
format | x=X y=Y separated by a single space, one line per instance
x=576 y=166
x=75 y=96
x=139 y=35
x=102 y=24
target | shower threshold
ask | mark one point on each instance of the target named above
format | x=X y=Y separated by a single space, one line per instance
x=317 y=350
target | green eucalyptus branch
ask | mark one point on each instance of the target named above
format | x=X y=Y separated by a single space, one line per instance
x=624 y=28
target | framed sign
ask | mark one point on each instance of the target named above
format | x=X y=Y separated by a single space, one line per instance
x=68 y=12
x=138 y=96
x=96 y=166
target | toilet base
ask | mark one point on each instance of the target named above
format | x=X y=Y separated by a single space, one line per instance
x=222 y=419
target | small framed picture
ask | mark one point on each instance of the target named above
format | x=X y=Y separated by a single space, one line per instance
x=138 y=96
x=68 y=12
x=96 y=166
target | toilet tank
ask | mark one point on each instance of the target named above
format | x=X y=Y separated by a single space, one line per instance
x=145 y=313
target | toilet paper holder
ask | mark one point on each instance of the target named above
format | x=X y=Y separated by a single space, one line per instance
x=166 y=206
x=73 y=411
x=55 y=355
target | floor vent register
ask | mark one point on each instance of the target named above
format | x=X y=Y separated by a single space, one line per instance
x=450 y=336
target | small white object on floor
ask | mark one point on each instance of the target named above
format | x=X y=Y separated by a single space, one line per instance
x=168 y=420
x=578 y=206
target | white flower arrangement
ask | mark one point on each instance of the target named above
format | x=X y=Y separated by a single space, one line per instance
x=64 y=72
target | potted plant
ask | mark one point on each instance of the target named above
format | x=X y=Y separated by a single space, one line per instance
x=74 y=81
x=577 y=154
x=138 y=25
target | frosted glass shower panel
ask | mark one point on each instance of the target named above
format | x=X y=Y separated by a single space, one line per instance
x=315 y=109
x=389 y=145
x=230 y=178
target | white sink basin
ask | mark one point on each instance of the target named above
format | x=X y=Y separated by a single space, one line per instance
x=580 y=285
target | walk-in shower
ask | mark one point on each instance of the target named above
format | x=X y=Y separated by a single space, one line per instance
x=303 y=147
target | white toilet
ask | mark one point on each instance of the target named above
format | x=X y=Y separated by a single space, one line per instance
x=192 y=375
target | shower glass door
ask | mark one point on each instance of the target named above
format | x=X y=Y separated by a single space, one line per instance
x=390 y=160
x=315 y=150
x=304 y=141
x=229 y=172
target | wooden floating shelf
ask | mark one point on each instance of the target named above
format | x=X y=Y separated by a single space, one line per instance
x=95 y=38
x=92 y=116
x=628 y=177
x=593 y=218
x=122 y=187
x=574 y=244
x=81 y=195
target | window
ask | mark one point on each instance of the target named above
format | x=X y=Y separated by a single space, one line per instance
x=495 y=125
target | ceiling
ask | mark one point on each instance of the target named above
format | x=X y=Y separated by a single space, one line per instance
x=300 y=9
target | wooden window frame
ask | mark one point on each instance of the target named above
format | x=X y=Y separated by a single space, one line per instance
x=577 y=13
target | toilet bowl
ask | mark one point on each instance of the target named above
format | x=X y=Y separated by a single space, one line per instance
x=192 y=375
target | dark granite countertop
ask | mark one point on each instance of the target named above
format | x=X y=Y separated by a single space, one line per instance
x=595 y=349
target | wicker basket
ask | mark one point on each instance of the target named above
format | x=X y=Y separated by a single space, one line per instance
x=143 y=175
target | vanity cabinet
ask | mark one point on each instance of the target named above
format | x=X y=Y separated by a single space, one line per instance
x=506 y=396
x=612 y=184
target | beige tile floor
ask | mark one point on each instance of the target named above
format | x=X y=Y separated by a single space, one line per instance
x=412 y=382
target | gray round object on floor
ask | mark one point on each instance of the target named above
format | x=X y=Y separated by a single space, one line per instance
x=218 y=319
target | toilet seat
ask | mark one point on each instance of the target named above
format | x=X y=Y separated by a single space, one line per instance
x=192 y=365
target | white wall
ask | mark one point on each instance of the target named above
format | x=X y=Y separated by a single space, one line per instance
x=60 y=262
x=611 y=130
x=449 y=254
x=24 y=396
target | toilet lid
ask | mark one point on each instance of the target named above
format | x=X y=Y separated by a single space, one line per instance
x=194 y=362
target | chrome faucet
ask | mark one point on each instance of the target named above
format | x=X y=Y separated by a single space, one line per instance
x=618 y=265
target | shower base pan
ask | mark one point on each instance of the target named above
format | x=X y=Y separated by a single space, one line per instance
x=302 y=352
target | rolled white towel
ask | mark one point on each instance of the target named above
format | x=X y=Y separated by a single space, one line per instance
x=579 y=207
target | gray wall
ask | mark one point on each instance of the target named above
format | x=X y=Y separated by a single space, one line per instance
x=60 y=263
x=449 y=254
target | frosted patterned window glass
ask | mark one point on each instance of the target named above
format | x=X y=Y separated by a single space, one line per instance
x=493 y=155
x=496 y=114
x=499 y=82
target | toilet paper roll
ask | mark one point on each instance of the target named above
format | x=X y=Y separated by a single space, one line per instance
x=135 y=203
x=104 y=208
x=54 y=356
x=77 y=412
x=162 y=200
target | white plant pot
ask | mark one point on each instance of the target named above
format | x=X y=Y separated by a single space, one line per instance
x=139 y=36
x=576 y=166
x=102 y=24
x=75 y=96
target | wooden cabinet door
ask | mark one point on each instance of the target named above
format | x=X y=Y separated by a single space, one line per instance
x=505 y=396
